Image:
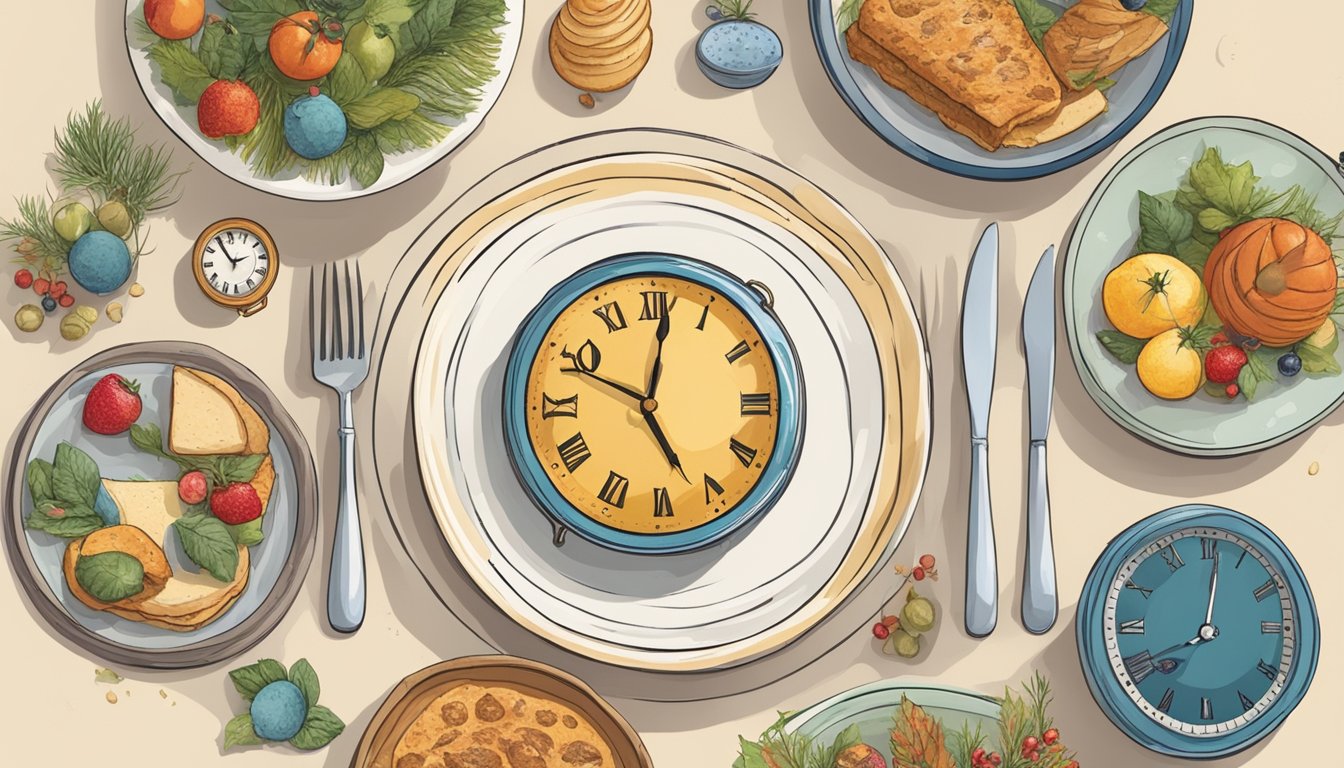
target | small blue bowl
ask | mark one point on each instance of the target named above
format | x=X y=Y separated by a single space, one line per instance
x=738 y=54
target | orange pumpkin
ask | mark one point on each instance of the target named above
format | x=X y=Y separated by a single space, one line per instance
x=1272 y=280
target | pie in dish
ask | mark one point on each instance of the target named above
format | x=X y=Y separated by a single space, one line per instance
x=497 y=726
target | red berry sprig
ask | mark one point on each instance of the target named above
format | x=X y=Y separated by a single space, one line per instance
x=982 y=759
x=46 y=286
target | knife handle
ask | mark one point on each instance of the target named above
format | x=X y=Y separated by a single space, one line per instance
x=982 y=574
x=1040 y=605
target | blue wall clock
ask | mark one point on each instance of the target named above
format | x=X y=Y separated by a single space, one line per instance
x=1197 y=632
x=653 y=404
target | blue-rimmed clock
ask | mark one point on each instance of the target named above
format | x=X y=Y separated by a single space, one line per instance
x=1197 y=632
x=653 y=404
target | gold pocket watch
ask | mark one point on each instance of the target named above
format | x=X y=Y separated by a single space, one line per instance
x=235 y=262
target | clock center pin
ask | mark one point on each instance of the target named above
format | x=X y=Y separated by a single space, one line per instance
x=648 y=405
x=1208 y=632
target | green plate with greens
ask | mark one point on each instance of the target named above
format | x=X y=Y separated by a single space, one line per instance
x=1179 y=194
x=400 y=84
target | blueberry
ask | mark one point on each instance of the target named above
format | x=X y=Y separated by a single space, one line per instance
x=1290 y=364
x=48 y=303
x=100 y=262
x=1133 y=5
x=315 y=126
x=278 y=711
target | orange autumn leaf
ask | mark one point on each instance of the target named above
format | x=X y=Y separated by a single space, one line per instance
x=917 y=739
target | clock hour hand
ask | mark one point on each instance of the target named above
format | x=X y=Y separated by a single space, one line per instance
x=664 y=325
x=664 y=444
x=618 y=387
x=225 y=251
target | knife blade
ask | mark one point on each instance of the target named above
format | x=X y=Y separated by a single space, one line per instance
x=979 y=345
x=1040 y=604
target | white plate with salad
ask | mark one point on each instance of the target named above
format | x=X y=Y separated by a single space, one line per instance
x=327 y=100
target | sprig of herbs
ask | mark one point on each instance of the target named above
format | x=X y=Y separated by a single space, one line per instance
x=780 y=748
x=739 y=10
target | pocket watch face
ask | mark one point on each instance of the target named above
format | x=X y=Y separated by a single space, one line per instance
x=235 y=262
x=1200 y=630
x=652 y=404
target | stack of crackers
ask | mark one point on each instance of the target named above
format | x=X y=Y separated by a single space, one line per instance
x=601 y=45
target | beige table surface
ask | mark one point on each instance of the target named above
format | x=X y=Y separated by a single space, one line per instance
x=1278 y=61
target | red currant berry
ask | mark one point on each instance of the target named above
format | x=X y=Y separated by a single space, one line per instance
x=978 y=754
x=927 y=562
x=41 y=285
x=996 y=758
x=57 y=289
x=890 y=621
x=23 y=278
x=880 y=631
x=1034 y=757
x=1050 y=736
x=1232 y=391
x=66 y=301
x=918 y=573
x=1030 y=743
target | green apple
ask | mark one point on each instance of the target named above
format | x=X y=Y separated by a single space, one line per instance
x=373 y=50
x=72 y=221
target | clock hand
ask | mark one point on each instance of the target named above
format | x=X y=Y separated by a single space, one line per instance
x=225 y=251
x=1213 y=591
x=660 y=335
x=663 y=443
x=618 y=387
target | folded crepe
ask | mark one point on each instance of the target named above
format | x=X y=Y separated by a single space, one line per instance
x=177 y=600
x=1094 y=38
x=971 y=62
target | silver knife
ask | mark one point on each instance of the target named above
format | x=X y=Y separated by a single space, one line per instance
x=1040 y=605
x=979 y=343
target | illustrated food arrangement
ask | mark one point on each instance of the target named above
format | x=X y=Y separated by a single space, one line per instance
x=282 y=707
x=94 y=232
x=122 y=531
x=601 y=45
x=330 y=91
x=1004 y=74
x=1234 y=289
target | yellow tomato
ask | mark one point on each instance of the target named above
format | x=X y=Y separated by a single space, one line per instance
x=1169 y=368
x=1151 y=293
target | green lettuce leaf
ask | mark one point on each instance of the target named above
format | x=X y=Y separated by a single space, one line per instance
x=249 y=680
x=1039 y=18
x=319 y=729
x=1122 y=347
x=207 y=542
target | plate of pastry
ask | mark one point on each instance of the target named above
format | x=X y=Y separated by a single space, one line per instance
x=495 y=711
x=161 y=507
x=778 y=444
x=1000 y=89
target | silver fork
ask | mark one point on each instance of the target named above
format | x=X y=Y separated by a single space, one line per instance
x=341 y=362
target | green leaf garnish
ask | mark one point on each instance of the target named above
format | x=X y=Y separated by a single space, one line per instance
x=249 y=680
x=319 y=729
x=302 y=675
x=207 y=542
x=1039 y=18
x=1122 y=347
x=110 y=576
x=239 y=733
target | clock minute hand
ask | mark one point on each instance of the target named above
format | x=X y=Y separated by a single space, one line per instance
x=618 y=387
x=660 y=335
x=1213 y=590
x=664 y=444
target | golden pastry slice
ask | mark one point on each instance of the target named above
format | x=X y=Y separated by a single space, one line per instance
x=601 y=45
x=603 y=79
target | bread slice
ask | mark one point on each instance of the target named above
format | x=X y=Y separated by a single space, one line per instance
x=182 y=601
x=1079 y=109
x=1094 y=38
x=204 y=420
x=971 y=62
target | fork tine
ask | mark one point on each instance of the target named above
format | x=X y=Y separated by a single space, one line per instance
x=349 y=313
x=359 y=286
x=337 y=348
x=312 y=310
x=324 y=314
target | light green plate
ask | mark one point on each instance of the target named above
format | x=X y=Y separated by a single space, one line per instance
x=873 y=706
x=1105 y=235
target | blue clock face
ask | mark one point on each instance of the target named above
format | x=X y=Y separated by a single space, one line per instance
x=1200 y=631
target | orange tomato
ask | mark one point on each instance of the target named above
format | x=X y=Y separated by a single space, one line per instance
x=174 y=19
x=305 y=47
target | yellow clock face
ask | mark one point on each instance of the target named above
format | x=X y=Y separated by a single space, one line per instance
x=653 y=404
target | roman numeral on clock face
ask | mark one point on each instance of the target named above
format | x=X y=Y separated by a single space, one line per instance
x=655 y=305
x=1134 y=627
x=712 y=485
x=586 y=359
x=1165 y=704
x=574 y=451
x=662 y=503
x=1265 y=590
x=564 y=407
x=744 y=453
x=738 y=352
x=1205 y=709
x=1267 y=670
x=1246 y=704
x=704 y=314
x=612 y=315
x=1207 y=547
x=1271 y=628
x=1139 y=666
x=1141 y=590
x=1172 y=558
x=755 y=404
x=613 y=491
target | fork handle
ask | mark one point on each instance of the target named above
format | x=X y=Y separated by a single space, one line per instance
x=345 y=587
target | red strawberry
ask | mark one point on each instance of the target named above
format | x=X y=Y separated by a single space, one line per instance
x=1222 y=364
x=113 y=405
x=236 y=503
x=191 y=488
x=227 y=108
